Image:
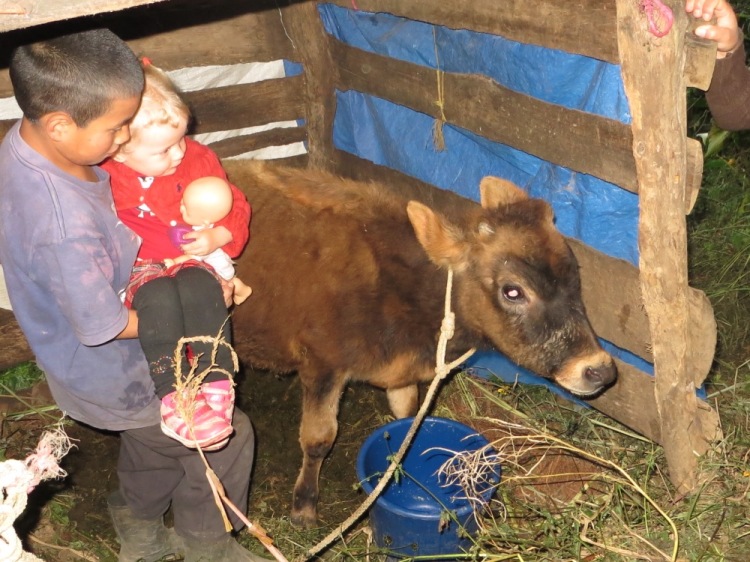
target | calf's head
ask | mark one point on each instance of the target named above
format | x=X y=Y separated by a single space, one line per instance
x=518 y=286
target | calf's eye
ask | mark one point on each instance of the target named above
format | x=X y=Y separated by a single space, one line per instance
x=513 y=293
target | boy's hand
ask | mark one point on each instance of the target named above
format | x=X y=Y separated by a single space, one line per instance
x=726 y=33
x=206 y=241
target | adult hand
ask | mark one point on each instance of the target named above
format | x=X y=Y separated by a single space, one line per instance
x=726 y=32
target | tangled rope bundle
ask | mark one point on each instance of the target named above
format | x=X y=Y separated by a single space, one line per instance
x=17 y=479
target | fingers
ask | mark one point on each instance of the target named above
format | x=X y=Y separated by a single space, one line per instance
x=705 y=9
x=726 y=39
x=725 y=31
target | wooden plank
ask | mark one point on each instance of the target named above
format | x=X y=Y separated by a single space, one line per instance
x=700 y=59
x=215 y=33
x=447 y=202
x=245 y=143
x=574 y=139
x=654 y=82
x=180 y=33
x=5 y=126
x=235 y=145
x=612 y=295
x=296 y=161
x=548 y=23
x=234 y=107
x=614 y=305
x=632 y=402
x=14 y=348
x=313 y=46
x=611 y=287
x=693 y=173
x=247 y=105
x=18 y=14
x=702 y=336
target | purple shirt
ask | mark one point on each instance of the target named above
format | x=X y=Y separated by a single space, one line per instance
x=66 y=259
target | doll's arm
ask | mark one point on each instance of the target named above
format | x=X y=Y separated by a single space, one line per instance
x=169 y=262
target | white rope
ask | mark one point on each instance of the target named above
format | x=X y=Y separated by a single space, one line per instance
x=441 y=371
x=17 y=479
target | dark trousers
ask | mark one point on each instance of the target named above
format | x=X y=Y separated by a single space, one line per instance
x=188 y=304
x=155 y=471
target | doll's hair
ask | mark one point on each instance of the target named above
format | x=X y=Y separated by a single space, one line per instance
x=161 y=104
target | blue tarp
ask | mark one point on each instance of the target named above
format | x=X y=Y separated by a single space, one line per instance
x=601 y=214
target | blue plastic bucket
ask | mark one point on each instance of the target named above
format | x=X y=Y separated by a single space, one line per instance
x=406 y=517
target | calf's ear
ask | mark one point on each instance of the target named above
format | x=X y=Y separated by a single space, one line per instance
x=495 y=192
x=444 y=243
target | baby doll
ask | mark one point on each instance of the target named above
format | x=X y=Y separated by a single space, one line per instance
x=206 y=201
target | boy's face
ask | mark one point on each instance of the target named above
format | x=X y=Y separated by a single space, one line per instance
x=156 y=151
x=100 y=138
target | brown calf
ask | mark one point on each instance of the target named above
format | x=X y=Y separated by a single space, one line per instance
x=349 y=281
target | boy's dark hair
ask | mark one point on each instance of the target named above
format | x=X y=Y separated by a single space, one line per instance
x=80 y=74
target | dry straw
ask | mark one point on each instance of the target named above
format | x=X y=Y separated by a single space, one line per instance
x=522 y=450
x=187 y=387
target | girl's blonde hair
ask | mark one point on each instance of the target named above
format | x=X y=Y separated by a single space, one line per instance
x=161 y=103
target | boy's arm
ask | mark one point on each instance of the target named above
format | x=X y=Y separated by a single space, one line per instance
x=75 y=272
x=131 y=329
x=728 y=97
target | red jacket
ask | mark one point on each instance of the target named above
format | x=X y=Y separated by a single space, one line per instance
x=163 y=199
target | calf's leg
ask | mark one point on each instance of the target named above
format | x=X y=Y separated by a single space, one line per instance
x=320 y=407
x=403 y=401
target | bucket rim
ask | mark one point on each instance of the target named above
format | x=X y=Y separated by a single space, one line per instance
x=382 y=501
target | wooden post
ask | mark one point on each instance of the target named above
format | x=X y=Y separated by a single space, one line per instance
x=653 y=76
x=311 y=46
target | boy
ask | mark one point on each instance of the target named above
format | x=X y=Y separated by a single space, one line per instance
x=66 y=258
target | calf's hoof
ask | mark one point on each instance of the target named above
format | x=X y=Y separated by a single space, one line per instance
x=305 y=517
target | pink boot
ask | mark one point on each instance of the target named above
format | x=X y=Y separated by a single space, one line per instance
x=210 y=430
x=219 y=395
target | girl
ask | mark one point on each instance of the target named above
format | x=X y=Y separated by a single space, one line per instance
x=149 y=174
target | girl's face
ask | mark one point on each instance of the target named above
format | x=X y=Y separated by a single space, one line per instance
x=156 y=151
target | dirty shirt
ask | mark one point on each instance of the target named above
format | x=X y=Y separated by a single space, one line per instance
x=66 y=258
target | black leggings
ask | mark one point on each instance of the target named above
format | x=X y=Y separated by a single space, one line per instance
x=189 y=304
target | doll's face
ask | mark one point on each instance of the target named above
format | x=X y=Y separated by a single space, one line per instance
x=155 y=151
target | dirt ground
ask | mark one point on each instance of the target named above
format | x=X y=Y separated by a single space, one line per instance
x=67 y=520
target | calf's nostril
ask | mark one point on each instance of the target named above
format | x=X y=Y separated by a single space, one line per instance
x=602 y=376
x=593 y=375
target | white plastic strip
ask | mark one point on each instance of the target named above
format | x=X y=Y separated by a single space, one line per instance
x=4 y=300
x=202 y=77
